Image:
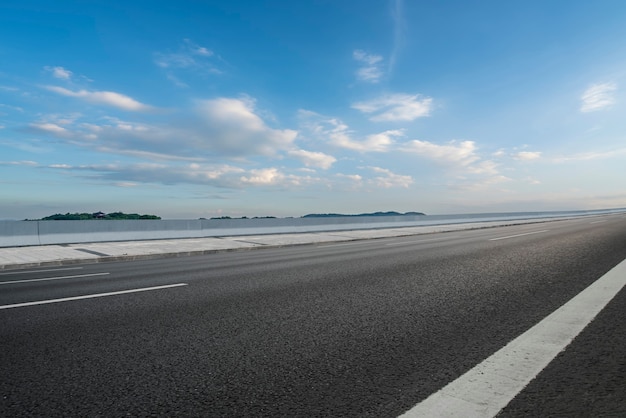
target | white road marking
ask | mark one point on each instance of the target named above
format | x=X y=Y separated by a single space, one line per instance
x=519 y=235
x=95 y=295
x=597 y=222
x=490 y=386
x=38 y=271
x=419 y=241
x=345 y=243
x=54 y=278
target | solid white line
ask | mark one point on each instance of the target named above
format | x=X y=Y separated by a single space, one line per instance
x=38 y=271
x=490 y=386
x=419 y=241
x=95 y=295
x=519 y=235
x=54 y=278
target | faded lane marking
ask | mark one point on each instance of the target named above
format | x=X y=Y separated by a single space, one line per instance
x=38 y=271
x=419 y=241
x=519 y=235
x=95 y=295
x=490 y=386
x=54 y=278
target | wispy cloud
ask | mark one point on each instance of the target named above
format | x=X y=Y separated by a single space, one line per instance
x=189 y=57
x=399 y=30
x=313 y=159
x=461 y=153
x=592 y=155
x=20 y=163
x=396 y=107
x=380 y=142
x=49 y=127
x=370 y=70
x=219 y=175
x=337 y=133
x=108 y=98
x=598 y=97
x=385 y=178
x=59 y=72
x=527 y=155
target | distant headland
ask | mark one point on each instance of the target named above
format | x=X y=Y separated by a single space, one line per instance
x=340 y=215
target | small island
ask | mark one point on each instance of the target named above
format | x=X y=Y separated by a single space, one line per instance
x=96 y=216
x=340 y=215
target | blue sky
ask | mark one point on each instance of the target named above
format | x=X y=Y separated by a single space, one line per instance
x=193 y=109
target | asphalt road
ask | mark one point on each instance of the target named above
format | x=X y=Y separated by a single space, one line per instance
x=362 y=329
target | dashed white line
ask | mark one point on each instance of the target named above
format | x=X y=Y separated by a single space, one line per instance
x=95 y=295
x=518 y=235
x=418 y=241
x=353 y=242
x=38 y=271
x=598 y=222
x=491 y=385
x=54 y=278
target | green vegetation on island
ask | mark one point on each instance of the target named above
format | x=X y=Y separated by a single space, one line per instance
x=97 y=216
x=338 y=215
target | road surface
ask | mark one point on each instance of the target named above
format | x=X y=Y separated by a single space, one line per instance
x=357 y=329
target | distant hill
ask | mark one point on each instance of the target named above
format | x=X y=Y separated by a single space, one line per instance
x=97 y=215
x=340 y=215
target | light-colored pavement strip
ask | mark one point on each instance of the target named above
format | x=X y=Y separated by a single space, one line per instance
x=37 y=256
x=491 y=385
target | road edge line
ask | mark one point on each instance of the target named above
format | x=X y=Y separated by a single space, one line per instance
x=488 y=387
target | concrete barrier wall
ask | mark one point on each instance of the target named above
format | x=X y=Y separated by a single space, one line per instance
x=18 y=233
x=23 y=233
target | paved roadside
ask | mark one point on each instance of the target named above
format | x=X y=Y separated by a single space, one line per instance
x=50 y=255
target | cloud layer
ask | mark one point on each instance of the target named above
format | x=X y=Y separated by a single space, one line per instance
x=598 y=97
x=396 y=107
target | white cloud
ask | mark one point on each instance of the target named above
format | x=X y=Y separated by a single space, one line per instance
x=387 y=179
x=354 y=177
x=598 y=97
x=462 y=153
x=313 y=159
x=218 y=175
x=108 y=98
x=49 y=127
x=19 y=163
x=483 y=167
x=396 y=107
x=339 y=134
x=231 y=126
x=212 y=130
x=527 y=155
x=373 y=143
x=370 y=70
x=263 y=177
x=59 y=72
